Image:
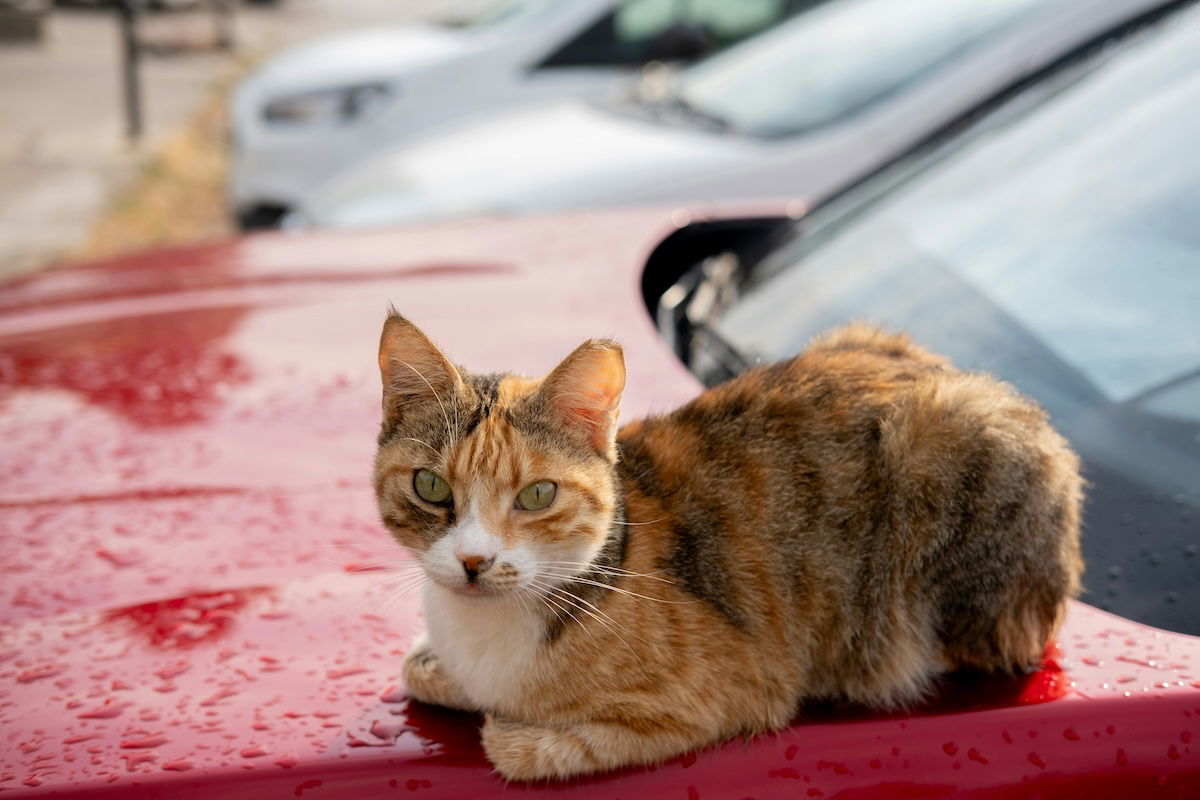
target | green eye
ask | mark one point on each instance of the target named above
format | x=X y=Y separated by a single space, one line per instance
x=537 y=496
x=431 y=488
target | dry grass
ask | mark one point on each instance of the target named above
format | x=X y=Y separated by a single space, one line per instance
x=179 y=196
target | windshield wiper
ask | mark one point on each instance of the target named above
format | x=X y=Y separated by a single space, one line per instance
x=681 y=106
x=660 y=94
x=688 y=310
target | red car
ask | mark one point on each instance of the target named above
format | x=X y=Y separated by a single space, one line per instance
x=195 y=598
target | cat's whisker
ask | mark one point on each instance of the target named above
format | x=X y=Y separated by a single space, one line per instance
x=392 y=579
x=380 y=594
x=613 y=628
x=401 y=578
x=402 y=592
x=523 y=600
x=564 y=604
x=457 y=428
x=611 y=588
x=596 y=608
x=379 y=589
x=384 y=591
x=423 y=444
x=650 y=522
x=557 y=605
x=436 y=396
x=617 y=571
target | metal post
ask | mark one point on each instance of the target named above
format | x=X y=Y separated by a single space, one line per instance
x=127 y=14
x=223 y=17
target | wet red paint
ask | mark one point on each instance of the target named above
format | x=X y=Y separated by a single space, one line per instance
x=190 y=541
x=40 y=673
x=184 y=622
x=393 y=694
x=143 y=742
x=119 y=559
x=217 y=697
x=312 y=783
x=107 y=710
x=344 y=672
x=134 y=760
x=77 y=739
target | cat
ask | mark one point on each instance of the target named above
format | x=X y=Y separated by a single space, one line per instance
x=846 y=524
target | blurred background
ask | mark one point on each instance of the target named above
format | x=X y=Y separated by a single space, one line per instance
x=73 y=182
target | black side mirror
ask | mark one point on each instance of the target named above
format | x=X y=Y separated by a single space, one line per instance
x=682 y=42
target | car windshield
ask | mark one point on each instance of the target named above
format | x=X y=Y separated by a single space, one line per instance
x=1061 y=251
x=840 y=58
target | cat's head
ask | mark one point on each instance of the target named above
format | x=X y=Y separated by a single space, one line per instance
x=497 y=483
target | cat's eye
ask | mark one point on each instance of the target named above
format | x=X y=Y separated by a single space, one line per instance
x=431 y=488
x=536 y=496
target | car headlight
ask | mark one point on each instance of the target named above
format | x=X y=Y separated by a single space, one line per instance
x=341 y=104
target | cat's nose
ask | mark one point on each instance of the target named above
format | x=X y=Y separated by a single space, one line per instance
x=474 y=565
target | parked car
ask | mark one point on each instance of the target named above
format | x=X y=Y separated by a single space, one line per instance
x=817 y=102
x=190 y=541
x=330 y=103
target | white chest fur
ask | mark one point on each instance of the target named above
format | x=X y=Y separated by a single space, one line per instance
x=489 y=646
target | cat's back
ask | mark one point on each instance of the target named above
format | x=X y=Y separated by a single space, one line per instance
x=854 y=397
x=832 y=428
x=834 y=394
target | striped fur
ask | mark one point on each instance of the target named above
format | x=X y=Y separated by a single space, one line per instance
x=846 y=524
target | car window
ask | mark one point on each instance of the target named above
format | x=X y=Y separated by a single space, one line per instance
x=640 y=31
x=1059 y=252
x=725 y=22
x=840 y=58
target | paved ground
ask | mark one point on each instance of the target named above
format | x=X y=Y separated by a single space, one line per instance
x=63 y=150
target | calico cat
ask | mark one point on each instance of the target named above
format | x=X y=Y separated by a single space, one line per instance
x=846 y=524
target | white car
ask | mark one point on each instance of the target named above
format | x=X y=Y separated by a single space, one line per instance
x=799 y=112
x=323 y=105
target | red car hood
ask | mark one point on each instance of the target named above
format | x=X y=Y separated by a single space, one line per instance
x=189 y=598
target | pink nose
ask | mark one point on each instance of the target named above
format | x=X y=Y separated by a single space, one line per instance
x=474 y=565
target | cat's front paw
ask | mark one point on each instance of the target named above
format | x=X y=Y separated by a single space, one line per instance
x=523 y=752
x=426 y=679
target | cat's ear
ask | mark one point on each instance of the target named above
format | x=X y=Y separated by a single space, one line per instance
x=412 y=367
x=584 y=393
